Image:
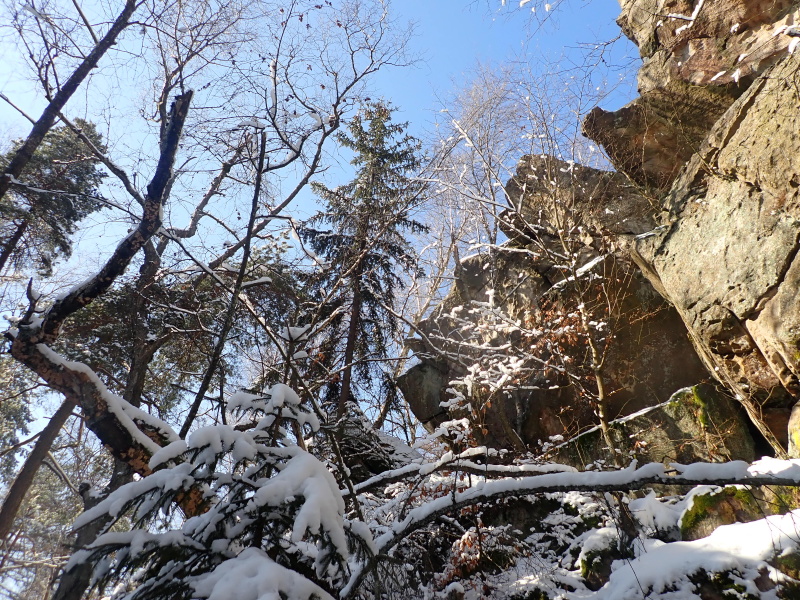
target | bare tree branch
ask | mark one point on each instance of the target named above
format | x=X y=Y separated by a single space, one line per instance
x=25 y=152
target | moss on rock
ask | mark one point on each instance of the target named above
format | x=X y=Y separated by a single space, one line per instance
x=734 y=504
x=695 y=424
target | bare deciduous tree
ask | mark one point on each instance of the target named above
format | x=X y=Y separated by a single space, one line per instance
x=245 y=97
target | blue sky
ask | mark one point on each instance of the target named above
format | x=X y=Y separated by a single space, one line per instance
x=453 y=36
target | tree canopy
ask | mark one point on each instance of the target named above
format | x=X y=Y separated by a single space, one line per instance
x=58 y=188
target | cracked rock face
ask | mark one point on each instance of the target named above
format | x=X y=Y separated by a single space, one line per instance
x=726 y=257
x=699 y=57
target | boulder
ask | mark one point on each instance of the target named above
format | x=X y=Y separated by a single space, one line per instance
x=650 y=138
x=697 y=424
x=546 y=191
x=734 y=504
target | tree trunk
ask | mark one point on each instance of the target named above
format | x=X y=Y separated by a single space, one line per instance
x=29 y=343
x=142 y=351
x=350 y=347
x=11 y=244
x=72 y=584
x=24 y=479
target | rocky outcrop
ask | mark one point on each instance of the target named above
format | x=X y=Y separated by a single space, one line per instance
x=508 y=348
x=697 y=424
x=547 y=193
x=726 y=257
x=725 y=254
x=699 y=57
x=734 y=504
x=710 y=215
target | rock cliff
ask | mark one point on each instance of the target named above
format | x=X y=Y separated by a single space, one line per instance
x=714 y=141
x=709 y=214
x=507 y=349
x=680 y=267
x=699 y=57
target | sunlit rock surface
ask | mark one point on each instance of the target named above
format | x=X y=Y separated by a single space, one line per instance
x=725 y=254
x=513 y=314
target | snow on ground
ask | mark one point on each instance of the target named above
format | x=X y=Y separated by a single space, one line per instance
x=661 y=570
x=550 y=558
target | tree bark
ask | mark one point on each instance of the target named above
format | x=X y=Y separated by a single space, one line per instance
x=350 y=346
x=142 y=351
x=78 y=383
x=73 y=583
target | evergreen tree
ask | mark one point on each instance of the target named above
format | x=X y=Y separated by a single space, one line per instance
x=57 y=189
x=361 y=235
x=252 y=504
x=18 y=388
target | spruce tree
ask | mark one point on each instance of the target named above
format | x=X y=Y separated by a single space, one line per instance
x=56 y=190
x=361 y=233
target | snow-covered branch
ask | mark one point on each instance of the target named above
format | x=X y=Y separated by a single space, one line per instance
x=766 y=472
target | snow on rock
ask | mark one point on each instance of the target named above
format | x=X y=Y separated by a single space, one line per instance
x=662 y=514
x=253 y=575
x=398 y=448
x=453 y=589
x=596 y=540
x=744 y=547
